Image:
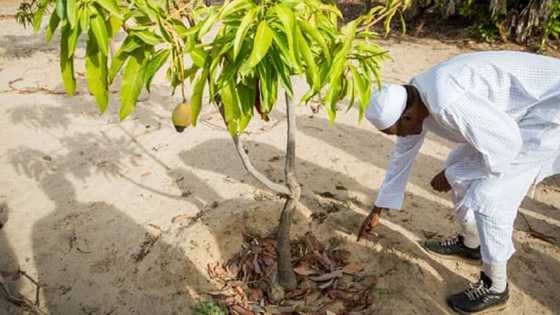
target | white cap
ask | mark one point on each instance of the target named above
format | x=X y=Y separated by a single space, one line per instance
x=386 y=106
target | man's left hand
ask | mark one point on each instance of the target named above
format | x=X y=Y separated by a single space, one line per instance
x=440 y=183
x=370 y=222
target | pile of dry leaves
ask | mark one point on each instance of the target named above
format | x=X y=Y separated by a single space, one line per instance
x=327 y=282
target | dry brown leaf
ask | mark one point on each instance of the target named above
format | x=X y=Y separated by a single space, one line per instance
x=313 y=243
x=181 y=218
x=296 y=294
x=304 y=270
x=234 y=268
x=327 y=284
x=224 y=293
x=327 y=276
x=352 y=269
x=238 y=309
x=255 y=295
x=268 y=261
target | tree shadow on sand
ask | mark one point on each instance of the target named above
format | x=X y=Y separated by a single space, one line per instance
x=9 y=266
x=92 y=258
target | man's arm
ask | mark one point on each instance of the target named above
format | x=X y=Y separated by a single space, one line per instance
x=391 y=193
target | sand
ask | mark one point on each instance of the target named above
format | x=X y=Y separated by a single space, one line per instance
x=123 y=218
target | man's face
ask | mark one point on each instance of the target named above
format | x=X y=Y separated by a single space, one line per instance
x=412 y=119
x=409 y=124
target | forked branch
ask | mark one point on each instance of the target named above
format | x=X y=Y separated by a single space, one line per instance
x=246 y=161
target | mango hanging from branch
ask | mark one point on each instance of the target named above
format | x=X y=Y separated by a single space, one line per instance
x=182 y=116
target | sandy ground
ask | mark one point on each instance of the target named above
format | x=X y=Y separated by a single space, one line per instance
x=122 y=218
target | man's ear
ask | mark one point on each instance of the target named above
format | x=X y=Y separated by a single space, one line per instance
x=407 y=114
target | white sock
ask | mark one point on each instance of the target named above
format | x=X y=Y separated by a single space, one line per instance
x=470 y=235
x=498 y=274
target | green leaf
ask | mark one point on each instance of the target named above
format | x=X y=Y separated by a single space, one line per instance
x=164 y=32
x=340 y=58
x=130 y=44
x=67 y=61
x=148 y=37
x=280 y=43
x=38 y=17
x=283 y=72
x=96 y=73
x=307 y=54
x=191 y=72
x=217 y=57
x=245 y=25
x=73 y=39
x=114 y=26
x=84 y=19
x=352 y=91
x=71 y=11
x=232 y=110
x=153 y=66
x=330 y=100
x=363 y=89
x=230 y=70
x=307 y=96
x=234 y=7
x=99 y=28
x=246 y=95
x=179 y=27
x=208 y=23
x=197 y=93
x=247 y=92
x=133 y=79
x=199 y=57
x=403 y=22
x=51 y=28
x=261 y=44
x=268 y=86
x=111 y=6
x=288 y=20
x=61 y=9
x=316 y=36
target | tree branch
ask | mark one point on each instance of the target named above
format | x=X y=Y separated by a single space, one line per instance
x=246 y=161
x=280 y=189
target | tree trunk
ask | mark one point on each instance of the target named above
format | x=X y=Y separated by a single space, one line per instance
x=286 y=275
x=291 y=191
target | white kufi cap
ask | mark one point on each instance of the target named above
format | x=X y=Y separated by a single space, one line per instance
x=386 y=106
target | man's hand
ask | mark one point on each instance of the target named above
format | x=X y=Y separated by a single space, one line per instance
x=371 y=221
x=440 y=183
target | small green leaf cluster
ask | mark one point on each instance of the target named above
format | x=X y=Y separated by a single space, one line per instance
x=485 y=23
x=552 y=25
x=241 y=53
x=208 y=308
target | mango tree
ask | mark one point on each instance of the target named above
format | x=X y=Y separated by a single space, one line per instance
x=242 y=54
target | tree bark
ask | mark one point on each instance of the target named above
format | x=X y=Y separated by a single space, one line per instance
x=286 y=275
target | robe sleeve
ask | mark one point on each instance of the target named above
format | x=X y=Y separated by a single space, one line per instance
x=491 y=131
x=391 y=193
